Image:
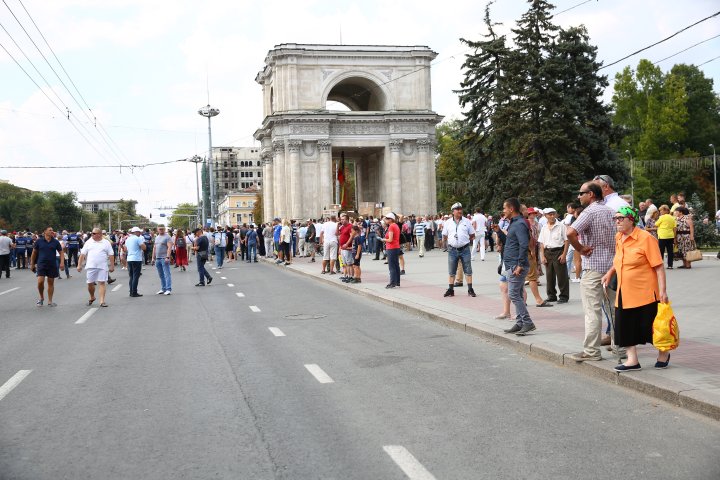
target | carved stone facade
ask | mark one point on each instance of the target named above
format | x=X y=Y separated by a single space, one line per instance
x=388 y=133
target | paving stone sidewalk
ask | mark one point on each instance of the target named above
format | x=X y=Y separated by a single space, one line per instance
x=692 y=381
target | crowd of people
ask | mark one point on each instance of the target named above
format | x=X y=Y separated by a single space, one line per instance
x=595 y=243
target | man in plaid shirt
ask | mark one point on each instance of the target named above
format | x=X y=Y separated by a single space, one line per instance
x=593 y=236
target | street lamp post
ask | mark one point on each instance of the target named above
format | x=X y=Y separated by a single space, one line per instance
x=632 y=177
x=714 y=176
x=209 y=112
x=195 y=159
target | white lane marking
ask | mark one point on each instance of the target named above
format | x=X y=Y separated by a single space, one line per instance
x=223 y=278
x=318 y=373
x=11 y=290
x=276 y=331
x=240 y=294
x=87 y=315
x=230 y=285
x=116 y=287
x=408 y=463
x=13 y=382
x=254 y=308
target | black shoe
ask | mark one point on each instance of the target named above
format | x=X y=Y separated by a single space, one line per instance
x=111 y=280
x=525 y=329
x=136 y=295
x=458 y=284
x=471 y=292
x=563 y=300
x=390 y=285
x=449 y=293
x=200 y=284
x=402 y=272
x=627 y=368
x=209 y=280
x=515 y=328
x=552 y=300
x=660 y=365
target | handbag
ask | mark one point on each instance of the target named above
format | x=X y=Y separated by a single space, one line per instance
x=693 y=255
x=666 y=333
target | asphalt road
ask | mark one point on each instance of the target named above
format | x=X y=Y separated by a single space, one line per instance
x=196 y=385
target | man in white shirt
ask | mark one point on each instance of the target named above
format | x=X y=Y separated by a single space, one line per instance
x=610 y=196
x=553 y=253
x=479 y=223
x=459 y=233
x=95 y=255
x=329 y=240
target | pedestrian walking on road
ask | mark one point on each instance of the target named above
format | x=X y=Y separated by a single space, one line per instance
x=6 y=244
x=459 y=234
x=593 y=236
x=181 y=251
x=134 y=248
x=516 y=265
x=95 y=255
x=43 y=263
x=161 y=259
x=392 y=250
x=201 y=254
x=640 y=285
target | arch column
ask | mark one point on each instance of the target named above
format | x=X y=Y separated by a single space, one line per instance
x=295 y=201
x=326 y=183
x=279 y=187
x=268 y=186
x=424 y=200
x=395 y=183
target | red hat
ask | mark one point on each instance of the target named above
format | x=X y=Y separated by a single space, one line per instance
x=532 y=211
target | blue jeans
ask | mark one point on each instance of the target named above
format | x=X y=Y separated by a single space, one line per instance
x=393 y=258
x=371 y=242
x=201 y=269
x=455 y=255
x=219 y=255
x=134 y=268
x=251 y=252
x=163 y=269
x=516 y=285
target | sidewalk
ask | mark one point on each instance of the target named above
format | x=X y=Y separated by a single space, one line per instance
x=692 y=381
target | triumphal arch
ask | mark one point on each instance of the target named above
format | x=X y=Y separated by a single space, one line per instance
x=370 y=105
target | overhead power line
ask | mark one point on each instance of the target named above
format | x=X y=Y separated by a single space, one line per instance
x=685 y=49
x=661 y=41
x=574 y=6
x=71 y=167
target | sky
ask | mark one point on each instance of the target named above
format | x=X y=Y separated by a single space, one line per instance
x=144 y=68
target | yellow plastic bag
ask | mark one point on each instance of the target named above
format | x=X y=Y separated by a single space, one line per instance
x=666 y=333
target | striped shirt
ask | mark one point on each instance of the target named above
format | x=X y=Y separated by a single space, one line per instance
x=420 y=229
x=596 y=229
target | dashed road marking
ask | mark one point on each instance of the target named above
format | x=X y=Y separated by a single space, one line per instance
x=223 y=278
x=240 y=294
x=254 y=308
x=87 y=315
x=408 y=463
x=230 y=285
x=318 y=373
x=276 y=331
x=11 y=290
x=13 y=382
x=116 y=287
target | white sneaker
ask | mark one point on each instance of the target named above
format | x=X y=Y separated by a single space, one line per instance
x=159 y=292
x=167 y=292
x=575 y=280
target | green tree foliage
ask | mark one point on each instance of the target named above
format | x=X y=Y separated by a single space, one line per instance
x=535 y=126
x=666 y=116
x=451 y=171
x=185 y=216
x=705 y=232
x=21 y=208
x=258 y=209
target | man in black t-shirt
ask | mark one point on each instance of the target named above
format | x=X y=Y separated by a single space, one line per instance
x=43 y=262
x=201 y=251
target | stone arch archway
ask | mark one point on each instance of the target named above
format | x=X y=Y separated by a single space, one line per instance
x=359 y=91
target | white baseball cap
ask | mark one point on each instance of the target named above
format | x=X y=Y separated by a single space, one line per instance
x=390 y=215
x=135 y=229
x=549 y=210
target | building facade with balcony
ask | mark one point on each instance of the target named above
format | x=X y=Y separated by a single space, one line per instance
x=236 y=208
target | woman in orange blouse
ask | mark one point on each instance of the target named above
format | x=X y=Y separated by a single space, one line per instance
x=641 y=284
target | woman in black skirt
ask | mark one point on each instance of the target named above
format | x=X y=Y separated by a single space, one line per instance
x=641 y=284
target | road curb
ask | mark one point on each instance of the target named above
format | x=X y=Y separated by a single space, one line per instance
x=670 y=391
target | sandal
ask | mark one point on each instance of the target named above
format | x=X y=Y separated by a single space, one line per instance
x=103 y=304
x=90 y=302
x=545 y=304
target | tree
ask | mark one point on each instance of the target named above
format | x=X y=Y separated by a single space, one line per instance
x=184 y=216
x=705 y=231
x=258 y=209
x=452 y=174
x=535 y=126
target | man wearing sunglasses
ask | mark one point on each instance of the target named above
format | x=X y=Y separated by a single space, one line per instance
x=593 y=236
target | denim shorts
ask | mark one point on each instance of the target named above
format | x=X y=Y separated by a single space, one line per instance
x=456 y=255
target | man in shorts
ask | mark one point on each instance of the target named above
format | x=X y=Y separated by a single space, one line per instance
x=95 y=254
x=329 y=241
x=42 y=262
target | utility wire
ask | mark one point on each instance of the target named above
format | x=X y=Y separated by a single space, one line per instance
x=659 y=42
x=59 y=167
x=574 y=6
x=711 y=60
x=686 y=49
